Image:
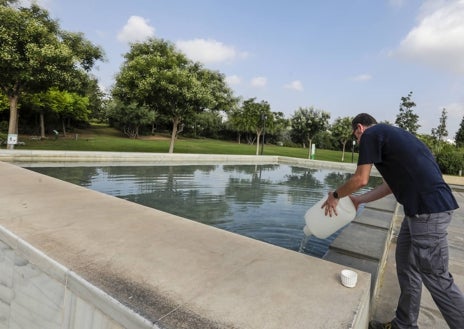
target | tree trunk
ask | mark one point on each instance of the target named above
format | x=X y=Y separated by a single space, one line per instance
x=257 y=143
x=175 y=123
x=42 y=125
x=343 y=153
x=13 y=124
x=310 y=143
x=63 y=124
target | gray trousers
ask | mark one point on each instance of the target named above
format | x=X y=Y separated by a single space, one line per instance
x=422 y=257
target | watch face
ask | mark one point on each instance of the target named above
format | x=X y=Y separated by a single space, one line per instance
x=335 y=194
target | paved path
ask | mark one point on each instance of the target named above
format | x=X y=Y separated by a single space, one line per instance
x=430 y=317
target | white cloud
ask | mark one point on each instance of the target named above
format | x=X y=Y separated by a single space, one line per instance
x=362 y=77
x=438 y=38
x=295 y=85
x=208 y=51
x=136 y=29
x=259 y=82
x=233 y=80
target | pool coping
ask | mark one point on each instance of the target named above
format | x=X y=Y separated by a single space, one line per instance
x=31 y=157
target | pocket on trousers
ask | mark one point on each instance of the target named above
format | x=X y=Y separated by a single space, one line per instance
x=430 y=256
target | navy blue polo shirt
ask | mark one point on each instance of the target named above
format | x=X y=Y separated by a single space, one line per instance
x=408 y=167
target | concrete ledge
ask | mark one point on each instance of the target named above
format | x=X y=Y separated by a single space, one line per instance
x=167 y=271
x=364 y=243
x=34 y=156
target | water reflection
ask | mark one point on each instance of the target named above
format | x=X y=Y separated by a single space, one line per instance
x=264 y=202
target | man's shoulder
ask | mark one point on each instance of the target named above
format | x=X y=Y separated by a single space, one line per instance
x=384 y=126
x=389 y=130
x=380 y=129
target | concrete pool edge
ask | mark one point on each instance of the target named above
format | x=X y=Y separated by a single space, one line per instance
x=269 y=286
x=361 y=312
x=89 y=157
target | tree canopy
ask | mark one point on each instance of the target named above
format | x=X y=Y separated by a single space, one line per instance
x=129 y=117
x=35 y=54
x=342 y=131
x=459 y=138
x=256 y=116
x=158 y=76
x=62 y=104
x=307 y=122
x=406 y=118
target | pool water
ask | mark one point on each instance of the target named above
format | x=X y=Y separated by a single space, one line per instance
x=263 y=202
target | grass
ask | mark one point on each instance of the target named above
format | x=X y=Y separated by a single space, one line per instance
x=104 y=138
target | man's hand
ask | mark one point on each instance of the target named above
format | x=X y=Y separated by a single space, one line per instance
x=330 y=205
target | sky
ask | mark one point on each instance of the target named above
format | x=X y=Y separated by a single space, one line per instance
x=340 y=56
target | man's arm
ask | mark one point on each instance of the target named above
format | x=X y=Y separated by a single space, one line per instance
x=359 y=179
x=374 y=194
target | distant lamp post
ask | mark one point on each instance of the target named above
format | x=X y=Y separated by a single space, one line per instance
x=263 y=120
x=352 y=151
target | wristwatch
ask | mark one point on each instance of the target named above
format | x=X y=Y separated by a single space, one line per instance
x=335 y=194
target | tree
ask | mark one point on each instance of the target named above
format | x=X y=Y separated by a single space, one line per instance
x=36 y=55
x=130 y=117
x=158 y=76
x=206 y=124
x=277 y=130
x=97 y=100
x=236 y=122
x=406 y=118
x=256 y=116
x=75 y=108
x=306 y=123
x=65 y=105
x=440 y=132
x=459 y=138
x=85 y=85
x=343 y=132
x=37 y=103
x=3 y=102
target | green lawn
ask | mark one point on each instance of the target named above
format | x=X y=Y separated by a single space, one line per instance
x=103 y=138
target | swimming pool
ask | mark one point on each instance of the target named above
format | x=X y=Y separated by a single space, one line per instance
x=263 y=202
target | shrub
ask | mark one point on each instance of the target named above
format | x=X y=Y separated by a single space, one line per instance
x=450 y=160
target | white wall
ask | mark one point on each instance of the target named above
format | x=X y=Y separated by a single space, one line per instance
x=38 y=293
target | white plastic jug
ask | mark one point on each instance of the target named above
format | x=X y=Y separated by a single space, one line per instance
x=322 y=226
